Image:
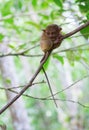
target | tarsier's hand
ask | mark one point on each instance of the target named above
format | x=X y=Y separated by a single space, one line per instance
x=58 y=41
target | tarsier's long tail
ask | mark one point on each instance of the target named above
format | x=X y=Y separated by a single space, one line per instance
x=46 y=55
x=42 y=60
x=49 y=86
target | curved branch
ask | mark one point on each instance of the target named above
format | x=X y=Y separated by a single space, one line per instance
x=76 y=30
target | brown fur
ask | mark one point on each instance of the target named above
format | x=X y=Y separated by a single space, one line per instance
x=50 y=37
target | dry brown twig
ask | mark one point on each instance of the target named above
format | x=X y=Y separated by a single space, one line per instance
x=40 y=67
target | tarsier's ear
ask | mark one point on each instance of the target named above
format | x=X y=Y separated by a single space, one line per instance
x=43 y=30
x=60 y=28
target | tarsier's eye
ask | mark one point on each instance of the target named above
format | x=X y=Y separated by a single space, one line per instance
x=48 y=33
x=52 y=33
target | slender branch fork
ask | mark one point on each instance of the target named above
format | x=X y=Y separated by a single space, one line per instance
x=40 y=67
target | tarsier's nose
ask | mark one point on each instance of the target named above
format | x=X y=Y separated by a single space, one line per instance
x=52 y=35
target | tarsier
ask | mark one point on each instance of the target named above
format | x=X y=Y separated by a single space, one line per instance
x=51 y=38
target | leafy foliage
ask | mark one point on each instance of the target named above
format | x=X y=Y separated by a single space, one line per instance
x=59 y=3
x=59 y=58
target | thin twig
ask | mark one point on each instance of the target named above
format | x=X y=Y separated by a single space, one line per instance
x=21 y=53
x=49 y=86
x=21 y=86
x=68 y=100
x=69 y=86
x=39 y=98
x=29 y=55
x=72 y=48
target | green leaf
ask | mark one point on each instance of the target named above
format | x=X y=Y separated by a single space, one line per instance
x=1 y=37
x=85 y=31
x=8 y=81
x=18 y=4
x=83 y=5
x=21 y=47
x=71 y=57
x=1 y=123
x=77 y=57
x=59 y=58
x=34 y=3
x=34 y=24
x=59 y=3
x=9 y=20
x=16 y=28
x=11 y=46
x=6 y=8
x=87 y=15
x=44 y=16
x=68 y=119
x=44 y=5
x=85 y=59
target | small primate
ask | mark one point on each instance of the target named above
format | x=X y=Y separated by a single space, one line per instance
x=50 y=39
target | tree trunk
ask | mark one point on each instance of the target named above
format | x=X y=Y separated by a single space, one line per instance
x=17 y=110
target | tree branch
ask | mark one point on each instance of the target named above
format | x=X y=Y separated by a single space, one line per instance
x=27 y=86
x=47 y=99
x=76 y=30
x=19 y=54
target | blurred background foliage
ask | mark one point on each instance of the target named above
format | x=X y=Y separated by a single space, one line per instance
x=21 y=24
